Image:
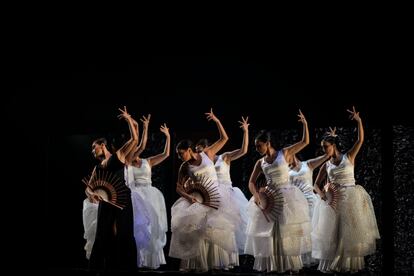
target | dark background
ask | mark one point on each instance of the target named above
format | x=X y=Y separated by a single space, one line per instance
x=63 y=103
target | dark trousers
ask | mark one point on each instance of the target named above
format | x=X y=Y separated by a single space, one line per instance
x=114 y=251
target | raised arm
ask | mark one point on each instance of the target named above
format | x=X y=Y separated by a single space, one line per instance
x=233 y=155
x=155 y=160
x=252 y=181
x=319 y=182
x=317 y=161
x=290 y=151
x=126 y=149
x=357 y=146
x=143 y=143
x=130 y=156
x=214 y=148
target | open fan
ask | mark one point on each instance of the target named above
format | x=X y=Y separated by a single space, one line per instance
x=109 y=186
x=203 y=189
x=307 y=190
x=333 y=194
x=271 y=200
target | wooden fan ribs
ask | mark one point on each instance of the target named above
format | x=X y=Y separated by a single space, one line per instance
x=111 y=185
x=206 y=188
x=335 y=193
x=306 y=189
x=274 y=201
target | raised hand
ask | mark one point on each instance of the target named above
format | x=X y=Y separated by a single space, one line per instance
x=301 y=117
x=211 y=116
x=164 y=129
x=124 y=114
x=145 y=120
x=244 y=124
x=332 y=132
x=354 y=115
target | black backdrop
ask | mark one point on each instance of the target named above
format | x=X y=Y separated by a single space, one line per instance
x=178 y=90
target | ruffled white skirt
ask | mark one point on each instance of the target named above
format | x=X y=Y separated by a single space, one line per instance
x=311 y=197
x=150 y=224
x=341 y=238
x=241 y=203
x=90 y=218
x=203 y=237
x=278 y=246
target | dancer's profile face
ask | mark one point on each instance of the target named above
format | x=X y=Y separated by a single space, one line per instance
x=97 y=151
x=261 y=147
x=328 y=148
x=184 y=154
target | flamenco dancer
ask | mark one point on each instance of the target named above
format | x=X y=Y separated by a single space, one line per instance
x=150 y=216
x=114 y=245
x=343 y=235
x=301 y=175
x=203 y=233
x=277 y=245
x=222 y=165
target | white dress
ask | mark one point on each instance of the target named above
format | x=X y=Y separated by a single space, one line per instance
x=278 y=246
x=203 y=237
x=149 y=202
x=303 y=179
x=223 y=174
x=90 y=218
x=341 y=238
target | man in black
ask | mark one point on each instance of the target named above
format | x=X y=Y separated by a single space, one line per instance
x=114 y=247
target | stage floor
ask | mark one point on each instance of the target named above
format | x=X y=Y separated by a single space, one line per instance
x=304 y=272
